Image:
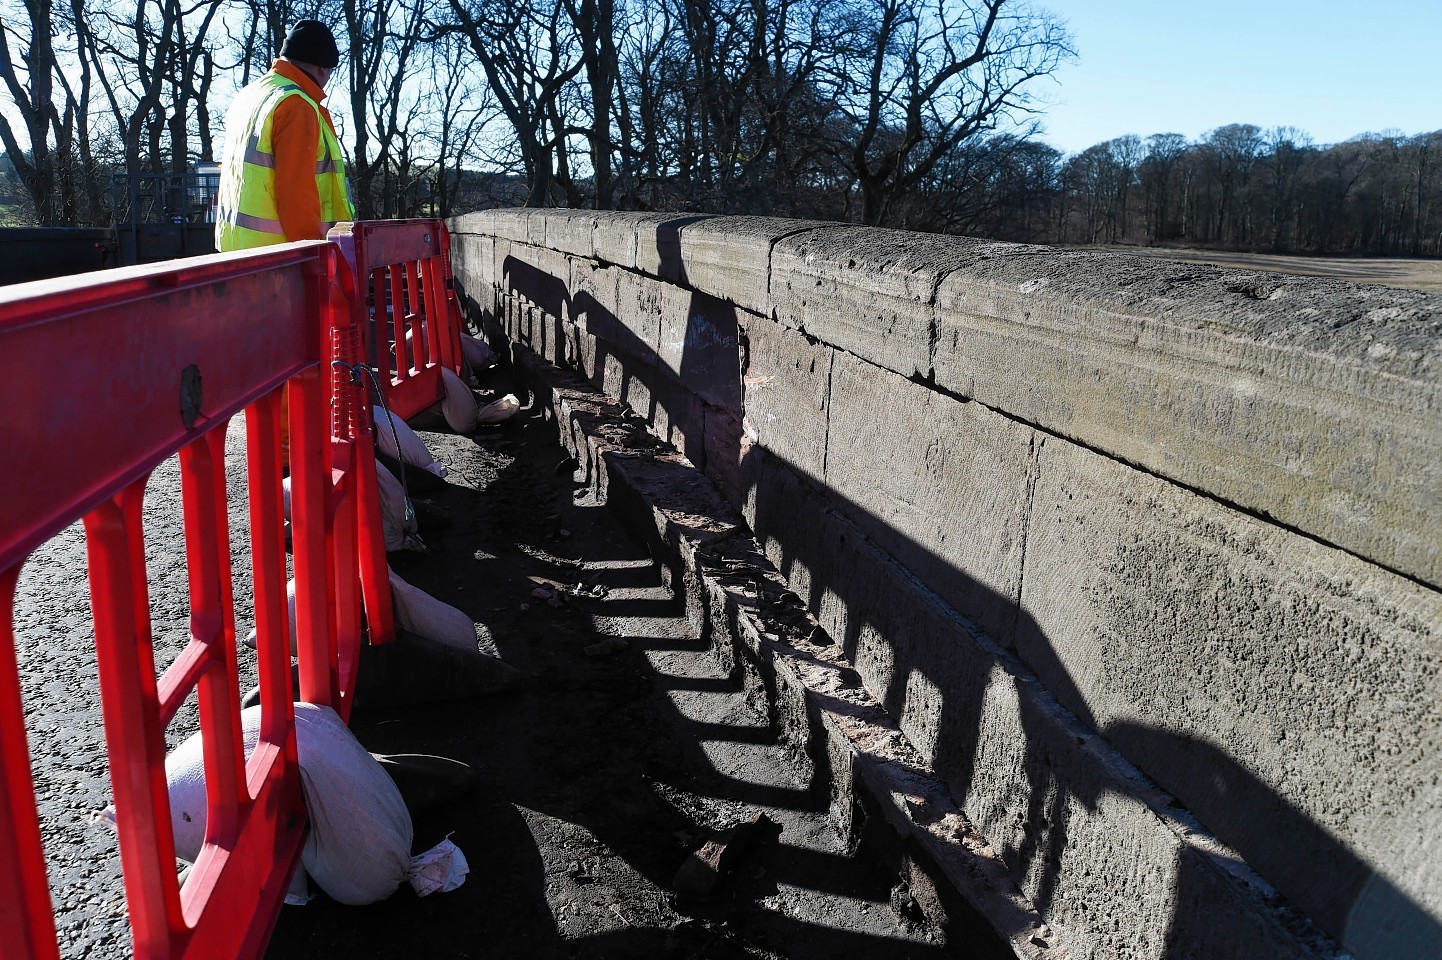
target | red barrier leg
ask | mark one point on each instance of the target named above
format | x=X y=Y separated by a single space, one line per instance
x=207 y=548
x=134 y=734
x=26 y=924
x=315 y=639
x=262 y=438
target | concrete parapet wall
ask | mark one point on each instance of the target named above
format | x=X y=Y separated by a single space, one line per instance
x=1143 y=558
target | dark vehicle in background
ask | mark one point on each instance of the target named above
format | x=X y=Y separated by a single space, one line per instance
x=156 y=216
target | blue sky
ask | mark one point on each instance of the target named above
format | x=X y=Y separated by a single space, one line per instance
x=1333 y=69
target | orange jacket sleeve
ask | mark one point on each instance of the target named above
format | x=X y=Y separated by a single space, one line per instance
x=295 y=138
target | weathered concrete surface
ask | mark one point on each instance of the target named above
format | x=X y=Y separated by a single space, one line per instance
x=730 y=257
x=1286 y=691
x=939 y=484
x=926 y=379
x=630 y=239
x=1314 y=402
x=787 y=395
x=1100 y=851
x=867 y=291
x=1095 y=819
x=570 y=231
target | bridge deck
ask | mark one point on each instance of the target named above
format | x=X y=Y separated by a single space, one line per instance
x=598 y=775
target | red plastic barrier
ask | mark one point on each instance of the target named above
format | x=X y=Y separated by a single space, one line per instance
x=186 y=346
x=353 y=466
x=413 y=320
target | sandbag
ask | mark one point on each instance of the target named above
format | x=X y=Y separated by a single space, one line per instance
x=459 y=406
x=358 y=846
x=250 y=638
x=422 y=614
x=413 y=360
x=476 y=352
x=396 y=439
x=399 y=525
x=498 y=410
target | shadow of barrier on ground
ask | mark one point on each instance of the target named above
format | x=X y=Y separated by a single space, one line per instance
x=559 y=759
x=1076 y=824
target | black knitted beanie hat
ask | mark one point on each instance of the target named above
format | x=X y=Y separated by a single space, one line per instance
x=311 y=41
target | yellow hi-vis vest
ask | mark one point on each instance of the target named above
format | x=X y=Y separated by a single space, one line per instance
x=246 y=214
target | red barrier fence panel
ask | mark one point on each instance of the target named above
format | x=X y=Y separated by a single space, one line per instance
x=414 y=322
x=353 y=450
x=187 y=346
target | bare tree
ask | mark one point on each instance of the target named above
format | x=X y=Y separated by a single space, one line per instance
x=1158 y=175
x=29 y=79
x=528 y=52
x=455 y=107
x=595 y=24
x=732 y=103
x=937 y=73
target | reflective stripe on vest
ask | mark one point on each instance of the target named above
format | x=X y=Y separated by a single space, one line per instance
x=246 y=214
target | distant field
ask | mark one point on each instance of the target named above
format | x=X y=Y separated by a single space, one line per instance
x=1392 y=272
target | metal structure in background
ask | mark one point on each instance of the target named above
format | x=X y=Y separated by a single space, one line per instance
x=162 y=216
x=187 y=372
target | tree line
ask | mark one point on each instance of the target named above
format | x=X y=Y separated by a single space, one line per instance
x=1239 y=187
x=756 y=105
x=920 y=114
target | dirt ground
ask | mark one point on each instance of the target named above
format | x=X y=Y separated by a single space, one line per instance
x=1388 y=271
x=606 y=767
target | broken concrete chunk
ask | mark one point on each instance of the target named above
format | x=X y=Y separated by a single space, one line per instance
x=706 y=867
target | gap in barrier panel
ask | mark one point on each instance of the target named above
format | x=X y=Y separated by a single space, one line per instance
x=382 y=316
x=168 y=573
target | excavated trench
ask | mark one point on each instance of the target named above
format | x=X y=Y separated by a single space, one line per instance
x=634 y=800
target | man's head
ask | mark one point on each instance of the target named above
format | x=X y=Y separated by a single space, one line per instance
x=311 y=46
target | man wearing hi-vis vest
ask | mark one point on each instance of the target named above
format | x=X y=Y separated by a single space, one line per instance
x=282 y=174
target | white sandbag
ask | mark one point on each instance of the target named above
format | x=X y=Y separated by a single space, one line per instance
x=250 y=638
x=422 y=614
x=398 y=521
x=392 y=430
x=358 y=846
x=477 y=353
x=459 y=406
x=414 y=361
x=498 y=410
x=440 y=869
x=399 y=526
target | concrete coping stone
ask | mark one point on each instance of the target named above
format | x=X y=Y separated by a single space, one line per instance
x=1385 y=330
x=507 y=223
x=729 y=257
x=1381 y=329
x=629 y=239
x=570 y=231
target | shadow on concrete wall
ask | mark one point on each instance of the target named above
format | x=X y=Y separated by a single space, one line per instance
x=814 y=534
